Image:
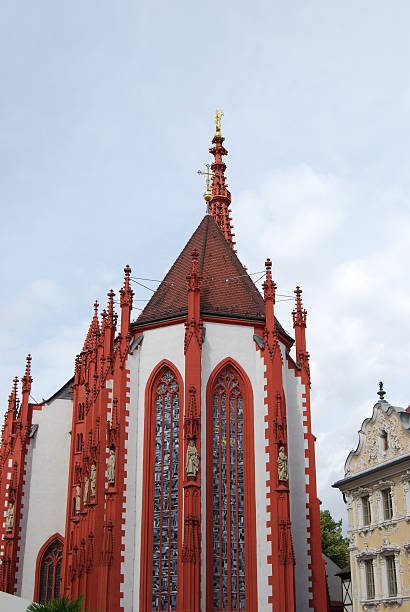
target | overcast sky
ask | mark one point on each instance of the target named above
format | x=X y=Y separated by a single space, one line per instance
x=106 y=113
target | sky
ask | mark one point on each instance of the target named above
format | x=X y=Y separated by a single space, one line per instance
x=106 y=114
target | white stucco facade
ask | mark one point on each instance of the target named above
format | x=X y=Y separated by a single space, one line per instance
x=297 y=483
x=45 y=489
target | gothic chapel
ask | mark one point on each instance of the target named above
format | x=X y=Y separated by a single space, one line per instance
x=176 y=469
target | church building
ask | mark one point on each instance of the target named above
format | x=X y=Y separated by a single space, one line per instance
x=176 y=469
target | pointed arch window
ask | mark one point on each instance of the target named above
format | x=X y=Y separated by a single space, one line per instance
x=230 y=495
x=48 y=573
x=163 y=434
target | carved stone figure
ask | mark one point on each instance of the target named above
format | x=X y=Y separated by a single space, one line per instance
x=192 y=460
x=218 y=118
x=85 y=492
x=78 y=499
x=111 y=467
x=93 y=479
x=10 y=517
x=282 y=464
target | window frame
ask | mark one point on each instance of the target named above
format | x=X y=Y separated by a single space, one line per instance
x=387 y=497
x=391 y=575
x=370 y=584
x=147 y=531
x=366 y=510
x=39 y=562
x=249 y=485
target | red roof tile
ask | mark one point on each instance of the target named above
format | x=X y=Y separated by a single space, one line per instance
x=227 y=288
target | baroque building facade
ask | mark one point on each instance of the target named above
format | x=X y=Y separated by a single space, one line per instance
x=376 y=489
x=176 y=470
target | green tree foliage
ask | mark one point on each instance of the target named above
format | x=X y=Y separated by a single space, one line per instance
x=58 y=605
x=334 y=545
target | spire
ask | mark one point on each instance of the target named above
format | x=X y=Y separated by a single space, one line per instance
x=299 y=325
x=220 y=200
x=126 y=295
x=94 y=329
x=27 y=380
x=269 y=289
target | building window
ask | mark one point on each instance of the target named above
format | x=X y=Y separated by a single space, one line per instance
x=367 y=516
x=369 y=579
x=391 y=576
x=231 y=523
x=387 y=504
x=165 y=502
x=50 y=572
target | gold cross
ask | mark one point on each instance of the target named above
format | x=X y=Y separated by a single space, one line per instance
x=208 y=175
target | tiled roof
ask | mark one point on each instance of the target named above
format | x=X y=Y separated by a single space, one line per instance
x=227 y=288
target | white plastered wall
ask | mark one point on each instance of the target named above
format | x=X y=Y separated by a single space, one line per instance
x=297 y=480
x=235 y=341
x=158 y=344
x=45 y=490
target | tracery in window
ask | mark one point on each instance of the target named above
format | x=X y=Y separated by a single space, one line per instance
x=165 y=502
x=50 y=572
x=228 y=523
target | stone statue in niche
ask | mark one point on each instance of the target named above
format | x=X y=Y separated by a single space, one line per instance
x=192 y=460
x=85 y=492
x=282 y=464
x=78 y=499
x=93 y=479
x=10 y=517
x=111 y=467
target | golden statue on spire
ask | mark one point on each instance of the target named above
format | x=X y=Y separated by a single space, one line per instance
x=218 y=118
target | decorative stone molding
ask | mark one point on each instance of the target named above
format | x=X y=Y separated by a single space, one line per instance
x=366 y=554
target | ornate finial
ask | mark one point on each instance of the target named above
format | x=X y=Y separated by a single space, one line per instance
x=96 y=307
x=269 y=286
x=127 y=272
x=381 y=392
x=194 y=279
x=15 y=383
x=27 y=380
x=218 y=118
x=299 y=315
x=28 y=365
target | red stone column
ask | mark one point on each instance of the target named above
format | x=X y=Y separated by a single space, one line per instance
x=318 y=600
x=189 y=600
x=281 y=560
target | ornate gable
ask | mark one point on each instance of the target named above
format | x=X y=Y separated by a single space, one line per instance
x=382 y=438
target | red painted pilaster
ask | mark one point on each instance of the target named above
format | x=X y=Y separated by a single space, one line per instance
x=281 y=559
x=318 y=600
x=13 y=450
x=191 y=554
x=93 y=550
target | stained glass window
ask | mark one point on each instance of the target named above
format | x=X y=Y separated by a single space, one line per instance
x=165 y=512
x=228 y=494
x=50 y=572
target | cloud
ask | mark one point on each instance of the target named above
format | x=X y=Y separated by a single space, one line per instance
x=358 y=325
